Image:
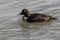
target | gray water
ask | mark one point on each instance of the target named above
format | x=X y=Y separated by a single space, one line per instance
x=13 y=28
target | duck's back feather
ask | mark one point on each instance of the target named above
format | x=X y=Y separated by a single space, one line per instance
x=36 y=17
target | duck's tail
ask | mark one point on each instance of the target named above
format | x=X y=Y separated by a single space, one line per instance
x=54 y=18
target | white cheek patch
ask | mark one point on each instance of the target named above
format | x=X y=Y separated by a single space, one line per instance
x=25 y=17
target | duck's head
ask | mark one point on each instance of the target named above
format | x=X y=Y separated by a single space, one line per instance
x=25 y=12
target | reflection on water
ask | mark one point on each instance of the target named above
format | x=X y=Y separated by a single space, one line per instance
x=32 y=26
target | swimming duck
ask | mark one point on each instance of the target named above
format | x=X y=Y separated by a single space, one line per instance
x=35 y=17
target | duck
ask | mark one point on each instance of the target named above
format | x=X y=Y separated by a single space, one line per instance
x=35 y=17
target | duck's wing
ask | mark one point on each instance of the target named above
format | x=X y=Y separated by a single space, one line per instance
x=38 y=17
x=32 y=18
x=39 y=14
x=35 y=19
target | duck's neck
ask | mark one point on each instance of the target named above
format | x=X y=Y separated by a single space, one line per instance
x=26 y=15
x=24 y=18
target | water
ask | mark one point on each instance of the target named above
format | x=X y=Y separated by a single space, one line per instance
x=13 y=28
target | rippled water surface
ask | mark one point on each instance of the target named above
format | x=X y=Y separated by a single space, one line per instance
x=13 y=28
